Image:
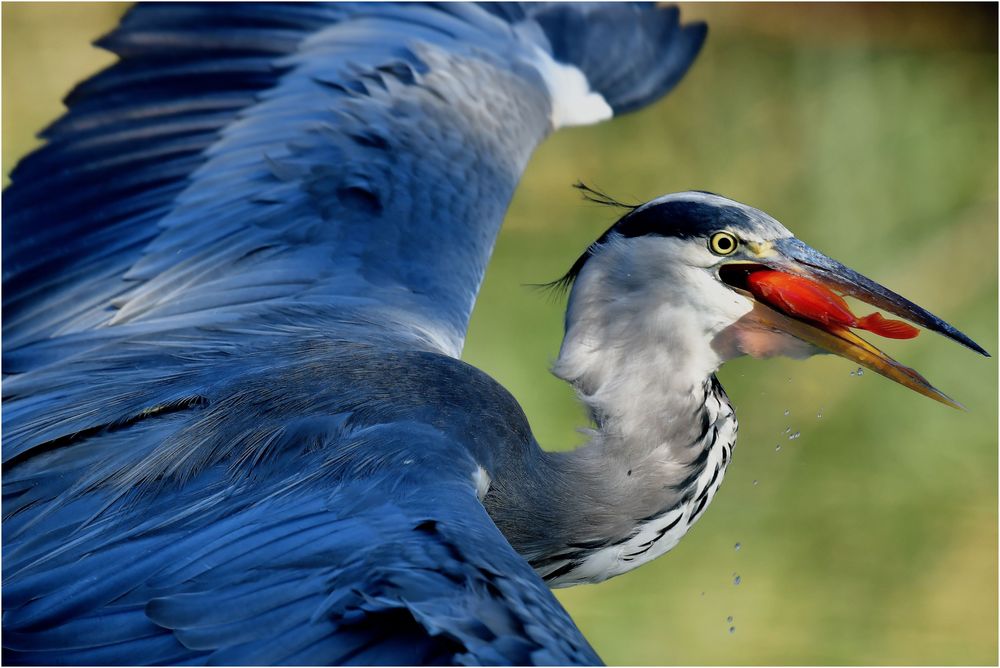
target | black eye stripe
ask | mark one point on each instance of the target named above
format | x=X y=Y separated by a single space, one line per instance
x=683 y=219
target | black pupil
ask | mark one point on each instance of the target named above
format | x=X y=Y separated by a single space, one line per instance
x=725 y=243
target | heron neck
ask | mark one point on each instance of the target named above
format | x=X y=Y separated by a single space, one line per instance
x=642 y=402
x=663 y=437
x=651 y=411
x=638 y=361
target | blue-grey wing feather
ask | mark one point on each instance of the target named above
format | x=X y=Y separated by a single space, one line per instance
x=354 y=175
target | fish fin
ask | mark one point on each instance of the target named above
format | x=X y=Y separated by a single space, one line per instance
x=891 y=329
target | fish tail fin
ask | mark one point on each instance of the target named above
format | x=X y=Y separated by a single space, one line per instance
x=891 y=329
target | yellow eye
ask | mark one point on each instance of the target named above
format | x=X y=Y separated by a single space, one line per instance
x=723 y=243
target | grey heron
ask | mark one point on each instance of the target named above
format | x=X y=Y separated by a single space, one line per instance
x=266 y=422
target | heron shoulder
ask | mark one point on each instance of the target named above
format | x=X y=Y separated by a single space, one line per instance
x=326 y=393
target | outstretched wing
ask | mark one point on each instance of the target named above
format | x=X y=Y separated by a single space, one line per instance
x=239 y=159
x=235 y=280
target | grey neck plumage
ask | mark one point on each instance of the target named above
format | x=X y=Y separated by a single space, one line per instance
x=664 y=434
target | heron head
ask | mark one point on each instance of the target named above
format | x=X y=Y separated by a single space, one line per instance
x=718 y=279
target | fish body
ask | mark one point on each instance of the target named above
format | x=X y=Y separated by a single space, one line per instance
x=803 y=298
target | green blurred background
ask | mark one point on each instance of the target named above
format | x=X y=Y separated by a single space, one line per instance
x=871 y=132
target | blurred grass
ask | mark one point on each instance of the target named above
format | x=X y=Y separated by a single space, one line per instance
x=871 y=131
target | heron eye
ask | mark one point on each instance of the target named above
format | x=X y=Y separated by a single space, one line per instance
x=723 y=243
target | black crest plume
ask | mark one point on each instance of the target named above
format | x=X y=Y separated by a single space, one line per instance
x=562 y=284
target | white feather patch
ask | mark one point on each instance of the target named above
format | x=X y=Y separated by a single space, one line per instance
x=573 y=102
x=482 y=480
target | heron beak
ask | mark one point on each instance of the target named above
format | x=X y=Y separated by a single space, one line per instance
x=794 y=257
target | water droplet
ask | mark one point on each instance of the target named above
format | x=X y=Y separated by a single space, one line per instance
x=787 y=411
x=794 y=436
x=788 y=429
x=729 y=619
x=861 y=371
x=819 y=413
x=738 y=545
x=755 y=483
x=732 y=629
x=777 y=448
x=737 y=579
